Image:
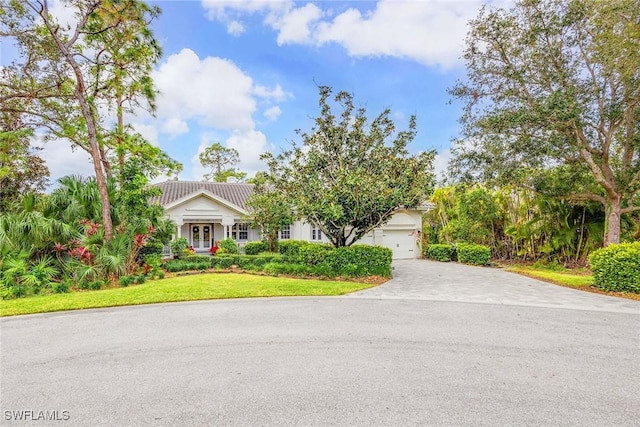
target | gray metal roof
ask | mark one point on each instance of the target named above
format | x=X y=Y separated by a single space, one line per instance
x=235 y=193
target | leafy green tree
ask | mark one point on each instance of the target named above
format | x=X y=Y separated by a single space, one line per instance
x=556 y=83
x=66 y=73
x=21 y=170
x=349 y=176
x=221 y=160
x=269 y=211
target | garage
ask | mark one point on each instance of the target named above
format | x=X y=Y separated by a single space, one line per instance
x=399 y=235
x=402 y=243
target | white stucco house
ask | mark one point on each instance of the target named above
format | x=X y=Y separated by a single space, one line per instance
x=210 y=211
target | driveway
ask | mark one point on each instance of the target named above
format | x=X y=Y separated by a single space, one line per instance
x=395 y=355
x=439 y=281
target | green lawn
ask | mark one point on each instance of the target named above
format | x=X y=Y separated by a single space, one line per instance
x=565 y=278
x=183 y=288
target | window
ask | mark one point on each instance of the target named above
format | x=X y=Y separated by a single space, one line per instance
x=240 y=231
x=285 y=233
x=316 y=234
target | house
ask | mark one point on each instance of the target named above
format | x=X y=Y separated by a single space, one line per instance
x=210 y=211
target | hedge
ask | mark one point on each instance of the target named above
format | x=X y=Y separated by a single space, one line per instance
x=254 y=248
x=473 y=254
x=617 y=267
x=314 y=253
x=314 y=259
x=290 y=249
x=360 y=260
x=441 y=252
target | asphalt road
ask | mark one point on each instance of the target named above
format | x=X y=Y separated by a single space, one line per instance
x=324 y=361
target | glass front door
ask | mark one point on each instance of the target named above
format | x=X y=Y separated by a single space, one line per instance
x=201 y=236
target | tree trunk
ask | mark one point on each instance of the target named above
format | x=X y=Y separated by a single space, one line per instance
x=612 y=220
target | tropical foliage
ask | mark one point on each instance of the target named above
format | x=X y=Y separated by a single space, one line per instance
x=552 y=103
x=57 y=241
x=520 y=224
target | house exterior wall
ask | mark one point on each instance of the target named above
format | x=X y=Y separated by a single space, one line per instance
x=201 y=210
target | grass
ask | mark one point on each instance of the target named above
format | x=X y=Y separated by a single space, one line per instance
x=184 y=288
x=564 y=278
x=577 y=279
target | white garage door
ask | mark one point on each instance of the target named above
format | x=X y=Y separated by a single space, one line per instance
x=402 y=243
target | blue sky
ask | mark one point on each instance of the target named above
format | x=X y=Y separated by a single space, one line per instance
x=245 y=73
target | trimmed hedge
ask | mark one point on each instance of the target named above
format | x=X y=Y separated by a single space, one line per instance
x=204 y=262
x=360 y=260
x=441 y=252
x=313 y=259
x=473 y=254
x=254 y=248
x=617 y=267
x=314 y=253
x=290 y=249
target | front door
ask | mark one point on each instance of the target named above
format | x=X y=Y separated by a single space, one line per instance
x=201 y=236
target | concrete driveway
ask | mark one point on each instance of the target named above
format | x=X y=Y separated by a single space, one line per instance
x=394 y=355
x=438 y=281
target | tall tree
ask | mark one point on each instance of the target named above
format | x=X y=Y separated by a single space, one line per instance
x=269 y=210
x=65 y=74
x=349 y=176
x=221 y=160
x=556 y=83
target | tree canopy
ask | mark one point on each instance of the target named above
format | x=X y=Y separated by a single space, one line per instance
x=350 y=175
x=554 y=85
x=68 y=76
x=221 y=160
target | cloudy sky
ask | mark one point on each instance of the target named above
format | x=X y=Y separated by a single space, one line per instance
x=245 y=73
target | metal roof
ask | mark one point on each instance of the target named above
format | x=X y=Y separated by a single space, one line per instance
x=235 y=193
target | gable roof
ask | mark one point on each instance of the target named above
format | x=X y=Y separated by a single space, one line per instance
x=234 y=193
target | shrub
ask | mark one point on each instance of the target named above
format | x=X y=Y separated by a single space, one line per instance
x=290 y=249
x=179 y=245
x=197 y=258
x=140 y=279
x=229 y=245
x=473 y=254
x=360 y=260
x=617 y=267
x=174 y=266
x=225 y=261
x=125 y=281
x=314 y=253
x=440 y=252
x=254 y=248
x=60 y=287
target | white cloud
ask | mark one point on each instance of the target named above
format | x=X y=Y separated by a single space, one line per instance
x=250 y=145
x=197 y=170
x=235 y=28
x=431 y=32
x=440 y=163
x=272 y=113
x=148 y=132
x=212 y=90
x=275 y=94
x=62 y=161
x=294 y=26
x=222 y=9
x=175 y=126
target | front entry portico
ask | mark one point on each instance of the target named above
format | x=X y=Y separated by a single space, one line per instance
x=201 y=236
